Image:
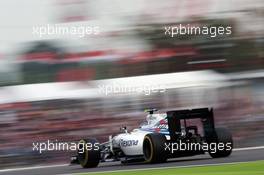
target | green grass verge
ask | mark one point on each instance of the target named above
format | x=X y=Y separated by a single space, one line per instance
x=249 y=168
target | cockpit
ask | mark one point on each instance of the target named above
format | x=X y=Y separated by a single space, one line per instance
x=152 y=119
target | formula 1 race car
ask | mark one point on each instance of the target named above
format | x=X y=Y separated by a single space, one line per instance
x=161 y=137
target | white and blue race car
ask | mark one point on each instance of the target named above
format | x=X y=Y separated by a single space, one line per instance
x=160 y=137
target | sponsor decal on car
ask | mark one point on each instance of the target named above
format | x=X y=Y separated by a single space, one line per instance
x=125 y=143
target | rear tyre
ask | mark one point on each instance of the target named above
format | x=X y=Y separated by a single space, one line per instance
x=224 y=137
x=154 y=148
x=88 y=153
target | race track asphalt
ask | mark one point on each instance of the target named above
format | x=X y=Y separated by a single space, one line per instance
x=237 y=156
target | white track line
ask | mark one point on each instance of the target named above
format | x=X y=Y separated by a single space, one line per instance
x=206 y=61
x=63 y=165
x=248 y=148
x=161 y=168
x=33 y=167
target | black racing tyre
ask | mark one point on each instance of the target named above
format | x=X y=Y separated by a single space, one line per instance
x=154 y=148
x=88 y=153
x=223 y=137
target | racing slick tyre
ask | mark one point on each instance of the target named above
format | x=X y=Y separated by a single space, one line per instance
x=88 y=153
x=223 y=137
x=154 y=148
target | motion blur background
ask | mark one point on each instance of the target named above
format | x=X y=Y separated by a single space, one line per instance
x=49 y=85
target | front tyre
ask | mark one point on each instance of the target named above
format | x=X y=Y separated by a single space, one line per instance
x=154 y=148
x=88 y=153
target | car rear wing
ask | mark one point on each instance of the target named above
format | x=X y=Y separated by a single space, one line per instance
x=205 y=114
